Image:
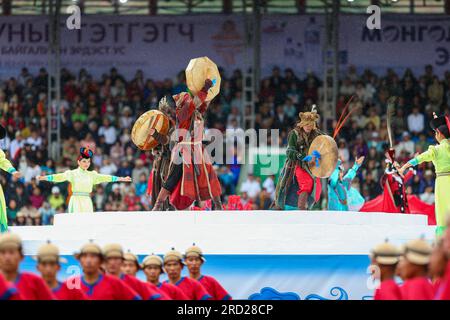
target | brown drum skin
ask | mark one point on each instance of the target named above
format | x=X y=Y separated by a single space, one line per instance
x=140 y=133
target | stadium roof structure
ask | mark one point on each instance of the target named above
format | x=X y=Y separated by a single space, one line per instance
x=20 y=7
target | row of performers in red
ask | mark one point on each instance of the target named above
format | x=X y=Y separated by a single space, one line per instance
x=424 y=270
x=108 y=274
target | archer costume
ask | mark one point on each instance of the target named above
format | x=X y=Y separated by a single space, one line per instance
x=5 y=165
x=339 y=195
x=297 y=187
x=81 y=181
x=191 y=174
x=440 y=156
x=161 y=160
x=393 y=199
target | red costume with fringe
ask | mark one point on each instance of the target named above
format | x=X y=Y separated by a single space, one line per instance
x=199 y=180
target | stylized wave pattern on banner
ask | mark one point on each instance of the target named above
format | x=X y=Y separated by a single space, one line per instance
x=338 y=292
x=268 y=293
x=272 y=294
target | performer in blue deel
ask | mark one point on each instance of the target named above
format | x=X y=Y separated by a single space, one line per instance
x=341 y=195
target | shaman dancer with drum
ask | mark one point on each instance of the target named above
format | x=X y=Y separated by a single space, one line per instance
x=299 y=184
x=191 y=174
x=161 y=154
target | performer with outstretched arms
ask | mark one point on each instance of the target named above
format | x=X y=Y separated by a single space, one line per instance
x=440 y=156
x=82 y=182
x=297 y=187
x=340 y=185
x=161 y=153
x=5 y=165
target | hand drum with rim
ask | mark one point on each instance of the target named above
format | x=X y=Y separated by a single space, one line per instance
x=328 y=150
x=200 y=69
x=153 y=119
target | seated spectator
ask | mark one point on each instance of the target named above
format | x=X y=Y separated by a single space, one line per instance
x=428 y=195
x=108 y=132
x=56 y=200
x=15 y=145
x=139 y=170
x=20 y=218
x=34 y=140
x=141 y=185
x=264 y=200
x=405 y=145
x=269 y=186
x=36 y=198
x=416 y=121
x=47 y=214
x=115 y=197
x=422 y=144
x=124 y=170
x=226 y=179
x=343 y=152
x=116 y=153
x=28 y=212
x=99 y=198
x=126 y=119
x=12 y=210
x=79 y=115
x=251 y=187
x=131 y=201
x=108 y=167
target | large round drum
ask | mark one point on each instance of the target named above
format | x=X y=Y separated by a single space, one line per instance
x=200 y=69
x=153 y=119
x=328 y=150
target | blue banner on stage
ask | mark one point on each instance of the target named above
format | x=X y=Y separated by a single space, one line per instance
x=274 y=277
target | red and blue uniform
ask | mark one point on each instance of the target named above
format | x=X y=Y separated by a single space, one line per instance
x=214 y=288
x=193 y=289
x=443 y=290
x=419 y=288
x=140 y=287
x=388 y=290
x=172 y=291
x=108 y=288
x=64 y=291
x=154 y=288
x=8 y=291
x=32 y=287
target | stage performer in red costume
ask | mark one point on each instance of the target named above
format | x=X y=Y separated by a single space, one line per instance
x=394 y=194
x=191 y=174
x=385 y=257
x=394 y=198
x=413 y=271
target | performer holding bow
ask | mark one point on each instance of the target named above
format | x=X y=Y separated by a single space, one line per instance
x=82 y=182
x=297 y=186
x=393 y=199
x=440 y=156
x=191 y=174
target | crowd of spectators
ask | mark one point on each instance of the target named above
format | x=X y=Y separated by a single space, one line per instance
x=101 y=112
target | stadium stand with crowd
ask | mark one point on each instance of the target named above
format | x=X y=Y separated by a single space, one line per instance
x=100 y=113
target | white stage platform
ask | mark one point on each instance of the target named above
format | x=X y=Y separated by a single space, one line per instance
x=230 y=232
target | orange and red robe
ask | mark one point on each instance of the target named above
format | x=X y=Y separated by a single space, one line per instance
x=193 y=186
